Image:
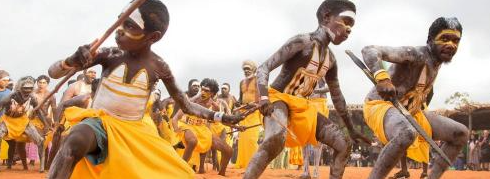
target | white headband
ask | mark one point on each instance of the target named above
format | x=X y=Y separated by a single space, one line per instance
x=5 y=78
x=136 y=17
x=225 y=86
x=351 y=14
x=195 y=83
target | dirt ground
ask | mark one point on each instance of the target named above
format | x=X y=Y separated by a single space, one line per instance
x=350 y=173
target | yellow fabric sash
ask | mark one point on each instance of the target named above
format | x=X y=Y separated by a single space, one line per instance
x=302 y=118
x=16 y=127
x=134 y=151
x=374 y=112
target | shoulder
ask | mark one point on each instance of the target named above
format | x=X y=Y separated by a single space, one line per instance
x=108 y=53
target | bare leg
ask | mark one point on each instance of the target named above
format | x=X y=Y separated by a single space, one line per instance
x=403 y=173
x=21 y=150
x=77 y=144
x=191 y=142
x=317 y=153
x=424 y=171
x=274 y=140
x=216 y=165
x=330 y=134
x=11 y=153
x=226 y=152
x=306 y=161
x=39 y=141
x=400 y=135
x=202 y=158
x=454 y=135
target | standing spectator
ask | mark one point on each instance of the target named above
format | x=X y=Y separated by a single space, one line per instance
x=4 y=91
x=364 y=157
x=485 y=150
x=474 y=155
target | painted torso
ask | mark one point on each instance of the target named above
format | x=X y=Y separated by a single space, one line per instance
x=405 y=77
x=299 y=75
x=248 y=87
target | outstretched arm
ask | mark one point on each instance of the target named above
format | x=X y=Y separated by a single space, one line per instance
x=79 y=101
x=374 y=55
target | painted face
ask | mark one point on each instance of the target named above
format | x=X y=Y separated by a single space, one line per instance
x=247 y=71
x=42 y=84
x=4 y=82
x=26 y=89
x=205 y=93
x=195 y=87
x=90 y=76
x=446 y=44
x=225 y=89
x=130 y=36
x=339 y=27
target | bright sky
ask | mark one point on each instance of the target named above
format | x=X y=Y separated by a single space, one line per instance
x=211 y=38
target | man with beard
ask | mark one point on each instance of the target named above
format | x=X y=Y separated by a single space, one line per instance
x=409 y=80
x=80 y=87
x=247 y=140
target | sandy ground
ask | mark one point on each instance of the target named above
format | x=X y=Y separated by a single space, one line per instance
x=350 y=173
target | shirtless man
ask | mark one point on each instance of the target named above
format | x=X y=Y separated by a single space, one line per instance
x=227 y=96
x=197 y=136
x=409 y=80
x=80 y=87
x=305 y=59
x=42 y=91
x=113 y=133
x=16 y=125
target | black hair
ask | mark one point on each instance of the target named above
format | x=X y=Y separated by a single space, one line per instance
x=227 y=84
x=442 y=23
x=43 y=77
x=155 y=15
x=211 y=84
x=95 y=85
x=191 y=81
x=333 y=7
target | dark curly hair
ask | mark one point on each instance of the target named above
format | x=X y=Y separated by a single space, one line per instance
x=155 y=15
x=442 y=23
x=211 y=84
x=333 y=7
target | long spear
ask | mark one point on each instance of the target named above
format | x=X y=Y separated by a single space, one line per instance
x=400 y=108
x=93 y=48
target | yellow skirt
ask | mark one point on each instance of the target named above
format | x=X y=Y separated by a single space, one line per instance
x=247 y=140
x=134 y=151
x=167 y=133
x=302 y=118
x=4 y=148
x=16 y=128
x=203 y=134
x=217 y=128
x=321 y=105
x=374 y=112
x=296 y=156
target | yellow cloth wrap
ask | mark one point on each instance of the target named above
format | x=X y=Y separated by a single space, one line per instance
x=381 y=75
x=321 y=105
x=247 y=140
x=134 y=151
x=4 y=148
x=217 y=128
x=302 y=118
x=15 y=128
x=36 y=122
x=203 y=134
x=374 y=112
x=296 y=155
x=168 y=133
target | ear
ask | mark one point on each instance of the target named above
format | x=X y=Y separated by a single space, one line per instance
x=326 y=17
x=154 y=36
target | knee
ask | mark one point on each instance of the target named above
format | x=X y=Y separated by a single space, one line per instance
x=461 y=135
x=407 y=137
x=191 y=142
